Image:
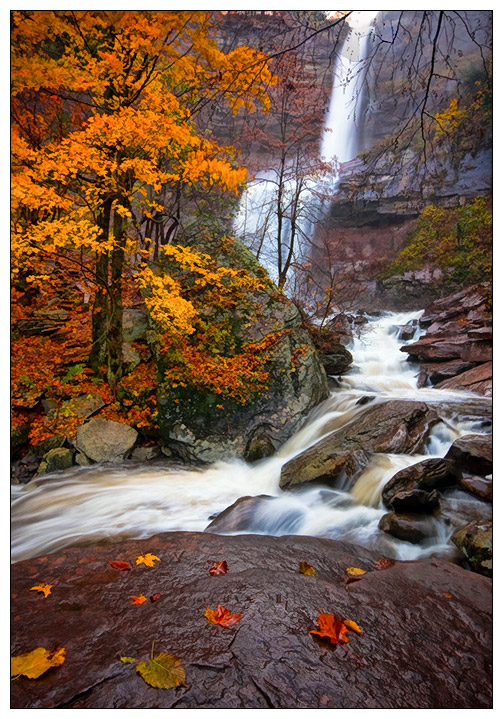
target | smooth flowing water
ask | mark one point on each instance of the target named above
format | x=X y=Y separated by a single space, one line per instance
x=91 y=504
x=256 y=223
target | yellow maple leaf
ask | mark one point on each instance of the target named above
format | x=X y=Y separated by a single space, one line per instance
x=147 y=559
x=352 y=625
x=45 y=588
x=354 y=571
x=33 y=664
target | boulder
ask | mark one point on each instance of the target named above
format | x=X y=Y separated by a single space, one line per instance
x=477 y=379
x=102 y=440
x=440 y=371
x=146 y=454
x=478 y=486
x=260 y=445
x=472 y=454
x=134 y=324
x=201 y=425
x=415 y=500
x=240 y=516
x=406 y=527
x=407 y=332
x=415 y=617
x=56 y=460
x=425 y=475
x=476 y=542
x=83 y=406
x=338 y=361
x=459 y=508
x=396 y=426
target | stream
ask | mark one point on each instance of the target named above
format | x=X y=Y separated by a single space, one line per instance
x=86 y=505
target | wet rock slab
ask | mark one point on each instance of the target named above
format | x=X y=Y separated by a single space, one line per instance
x=425 y=642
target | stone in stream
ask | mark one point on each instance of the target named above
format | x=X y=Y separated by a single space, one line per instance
x=406 y=527
x=425 y=640
x=244 y=515
x=478 y=379
x=425 y=475
x=472 y=454
x=55 y=460
x=481 y=487
x=102 y=440
x=396 y=426
x=415 y=500
x=475 y=540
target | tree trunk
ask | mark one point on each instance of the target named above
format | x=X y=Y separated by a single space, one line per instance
x=97 y=356
x=114 y=325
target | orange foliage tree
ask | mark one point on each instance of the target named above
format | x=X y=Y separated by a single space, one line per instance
x=104 y=133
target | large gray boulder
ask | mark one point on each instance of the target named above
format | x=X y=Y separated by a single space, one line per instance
x=396 y=426
x=102 y=440
x=199 y=424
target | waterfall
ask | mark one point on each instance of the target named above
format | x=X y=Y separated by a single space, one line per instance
x=256 y=223
x=89 y=504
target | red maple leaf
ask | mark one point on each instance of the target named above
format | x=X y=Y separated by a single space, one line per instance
x=384 y=563
x=219 y=568
x=222 y=616
x=120 y=565
x=331 y=627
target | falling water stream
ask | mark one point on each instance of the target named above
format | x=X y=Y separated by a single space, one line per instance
x=90 y=504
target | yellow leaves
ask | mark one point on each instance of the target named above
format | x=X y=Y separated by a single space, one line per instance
x=355 y=571
x=352 y=625
x=33 y=664
x=164 y=671
x=44 y=588
x=147 y=559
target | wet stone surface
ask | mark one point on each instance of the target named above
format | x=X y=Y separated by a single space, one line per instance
x=425 y=641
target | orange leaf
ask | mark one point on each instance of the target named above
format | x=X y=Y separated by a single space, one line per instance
x=305 y=568
x=39 y=660
x=147 y=559
x=45 y=588
x=138 y=600
x=222 y=616
x=219 y=568
x=331 y=627
x=384 y=563
x=123 y=566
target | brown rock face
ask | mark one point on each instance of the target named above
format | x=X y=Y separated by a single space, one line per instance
x=472 y=453
x=425 y=641
x=476 y=542
x=426 y=475
x=396 y=426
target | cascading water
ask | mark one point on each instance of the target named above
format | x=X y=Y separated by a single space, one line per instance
x=257 y=221
x=90 y=504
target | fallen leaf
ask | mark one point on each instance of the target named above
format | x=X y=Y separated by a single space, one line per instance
x=331 y=627
x=355 y=571
x=447 y=595
x=350 y=580
x=352 y=625
x=138 y=600
x=123 y=566
x=384 y=563
x=305 y=568
x=128 y=660
x=155 y=597
x=44 y=588
x=222 y=616
x=147 y=559
x=163 y=671
x=219 y=568
x=34 y=663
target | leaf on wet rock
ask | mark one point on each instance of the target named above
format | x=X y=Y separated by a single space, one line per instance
x=352 y=625
x=155 y=597
x=331 y=627
x=44 y=588
x=128 y=660
x=147 y=559
x=355 y=571
x=163 y=671
x=222 y=616
x=138 y=600
x=219 y=568
x=305 y=568
x=122 y=566
x=33 y=664
x=384 y=563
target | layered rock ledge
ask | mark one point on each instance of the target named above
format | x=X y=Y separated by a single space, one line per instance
x=425 y=641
